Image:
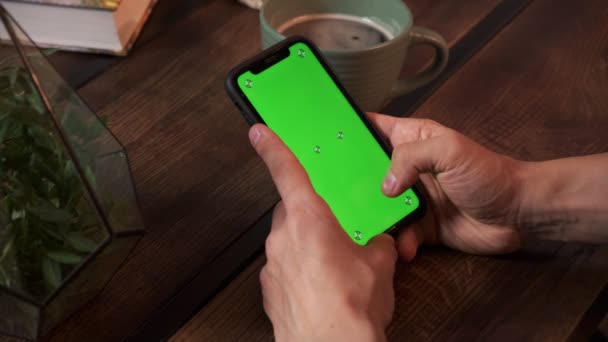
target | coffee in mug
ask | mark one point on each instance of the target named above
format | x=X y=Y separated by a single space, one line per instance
x=365 y=42
x=335 y=31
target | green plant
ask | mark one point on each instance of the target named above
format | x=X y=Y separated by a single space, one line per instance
x=47 y=222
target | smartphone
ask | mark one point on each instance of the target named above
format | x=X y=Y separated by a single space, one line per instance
x=291 y=89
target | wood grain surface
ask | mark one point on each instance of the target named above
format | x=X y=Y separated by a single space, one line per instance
x=537 y=91
x=79 y=68
x=603 y=329
x=199 y=182
x=236 y=314
x=450 y=19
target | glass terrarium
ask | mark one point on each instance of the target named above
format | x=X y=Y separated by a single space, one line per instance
x=68 y=208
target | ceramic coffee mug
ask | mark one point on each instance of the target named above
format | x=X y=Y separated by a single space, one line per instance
x=369 y=70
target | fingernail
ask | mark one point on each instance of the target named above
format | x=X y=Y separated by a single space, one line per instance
x=254 y=136
x=389 y=183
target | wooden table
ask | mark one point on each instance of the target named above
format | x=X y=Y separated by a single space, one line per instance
x=527 y=78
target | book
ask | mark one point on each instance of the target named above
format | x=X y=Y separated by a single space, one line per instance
x=98 y=26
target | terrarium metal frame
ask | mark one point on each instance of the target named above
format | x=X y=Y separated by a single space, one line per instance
x=89 y=192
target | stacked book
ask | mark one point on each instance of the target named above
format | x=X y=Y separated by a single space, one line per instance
x=101 y=26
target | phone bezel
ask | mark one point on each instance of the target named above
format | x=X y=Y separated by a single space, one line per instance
x=266 y=59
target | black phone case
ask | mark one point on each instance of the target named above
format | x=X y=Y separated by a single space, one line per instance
x=252 y=116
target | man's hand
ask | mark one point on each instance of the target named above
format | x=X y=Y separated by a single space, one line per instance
x=473 y=193
x=317 y=284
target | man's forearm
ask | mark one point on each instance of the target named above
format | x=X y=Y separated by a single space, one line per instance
x=566 y=199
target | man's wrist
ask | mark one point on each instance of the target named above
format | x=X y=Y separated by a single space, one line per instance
x=561 y=200
x=539 y=217
x=350 y=326
x=362 y=328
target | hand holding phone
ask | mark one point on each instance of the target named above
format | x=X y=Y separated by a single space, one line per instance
x=311 y=265
x=292 y=90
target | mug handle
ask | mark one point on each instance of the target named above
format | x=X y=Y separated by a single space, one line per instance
x=419 y=36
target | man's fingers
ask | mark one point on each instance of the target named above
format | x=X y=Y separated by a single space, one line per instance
x=408 y=242
x=269 y=291
x=383 y=123
x=288 y=174
x=382 y=251
x=278 y=215
x=405 y=130
x=409 y=160
x=419 y=146
x=423 y=231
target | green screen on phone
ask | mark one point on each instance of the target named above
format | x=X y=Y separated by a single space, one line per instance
x=301 y=103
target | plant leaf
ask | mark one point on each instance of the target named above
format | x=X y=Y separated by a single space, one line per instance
x=52 y=214
x=51 y=272
x=52 y=231
x=36 y=102
x=81 y=243
x=6 y=249
x=12 y=76
x=64 y=257
x=4 y=127
x=48 y=52
x=90 y=176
